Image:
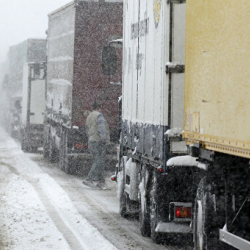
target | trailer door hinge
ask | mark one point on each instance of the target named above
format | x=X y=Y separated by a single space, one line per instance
x=174 y=68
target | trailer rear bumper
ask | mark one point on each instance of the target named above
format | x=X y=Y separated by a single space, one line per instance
x=234 y=240
x=171 y=227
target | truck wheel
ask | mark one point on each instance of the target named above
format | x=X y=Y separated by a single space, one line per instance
x=68 y=166
x=34 y=149
x=123 y=205
x=23 y=146
x=154 y=211
x=61 y=154
x=144 y=213
x=205 y=220
x=52 y=151
x=123 y=199
x=45 y=150
x=46 y=143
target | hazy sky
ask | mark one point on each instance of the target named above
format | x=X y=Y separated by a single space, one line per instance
x=23 y=19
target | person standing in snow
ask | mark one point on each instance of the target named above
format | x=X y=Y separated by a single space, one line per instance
x=98 y=138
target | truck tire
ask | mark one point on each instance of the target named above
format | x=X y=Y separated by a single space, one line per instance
x=144 y=213
x=67 y=162
x=52 y=151
x=154 y=211
x=23 y=146
x=46 y=140
x=45 y=150
x=68 y=165
x=34 y=149
x=205 y=219
x=123 y=205
x=123 y=199
x=61 y=153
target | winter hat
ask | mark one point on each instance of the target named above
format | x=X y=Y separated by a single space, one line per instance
x=96 y=105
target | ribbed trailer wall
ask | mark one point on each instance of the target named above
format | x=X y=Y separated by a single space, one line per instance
x=145 y=81
x=154 y=36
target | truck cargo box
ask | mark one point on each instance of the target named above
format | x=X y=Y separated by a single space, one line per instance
x=152 y=118
x=32 y=50
x=153 y=87
x=77 y=34
x=33 y=105
x=217 y=92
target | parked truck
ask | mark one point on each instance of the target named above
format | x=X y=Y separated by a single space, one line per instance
x=79 y=35
x=152 y=120
x=216 y=120
x=31 y=50
x=33 y=105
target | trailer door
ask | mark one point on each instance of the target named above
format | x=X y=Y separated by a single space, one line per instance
x=37 y=96
x=175 y=70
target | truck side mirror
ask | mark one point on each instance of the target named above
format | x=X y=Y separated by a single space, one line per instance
x=109 y=60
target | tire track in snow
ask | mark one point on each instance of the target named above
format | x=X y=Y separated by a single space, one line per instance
x=61 y=226
x=74 y=227
x=117 y=230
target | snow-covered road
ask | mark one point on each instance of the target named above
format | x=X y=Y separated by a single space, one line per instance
x=42 y=207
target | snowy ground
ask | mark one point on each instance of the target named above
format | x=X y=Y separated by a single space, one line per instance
x=41 y=208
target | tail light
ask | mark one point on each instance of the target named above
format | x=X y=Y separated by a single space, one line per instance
x=180 y=211
x=183 y=212
x=113 y=178
x=78 y=145
x=160 y=169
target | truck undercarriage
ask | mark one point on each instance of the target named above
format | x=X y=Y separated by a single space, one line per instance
x=162 y=199
x=221 y=212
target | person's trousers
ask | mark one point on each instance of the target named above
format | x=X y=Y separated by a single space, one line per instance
x=98 y=151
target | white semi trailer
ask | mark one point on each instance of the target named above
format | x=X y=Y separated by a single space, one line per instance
x=152 y=119
x=33 y=105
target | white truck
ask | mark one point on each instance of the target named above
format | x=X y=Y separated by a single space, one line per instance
x=152 y=119
x=33 y=105
x=32 y=50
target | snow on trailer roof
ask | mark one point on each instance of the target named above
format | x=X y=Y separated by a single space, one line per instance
x=91 y=1
x=37 y=38
x=29 y=39
x=185 y=161
x=61 y=8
